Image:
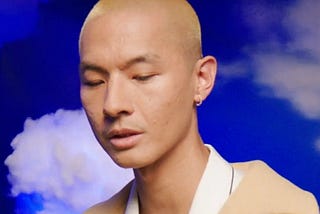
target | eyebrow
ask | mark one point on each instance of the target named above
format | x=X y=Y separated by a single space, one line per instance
x=146 y=58
x=85 y=66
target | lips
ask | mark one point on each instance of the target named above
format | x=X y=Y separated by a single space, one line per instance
x=122 y=139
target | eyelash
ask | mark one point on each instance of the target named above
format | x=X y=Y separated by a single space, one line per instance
x=97 y=83
x=143 y=78
x=93 y=84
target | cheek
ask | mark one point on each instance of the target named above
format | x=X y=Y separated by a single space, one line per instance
x=168 y=105
x=92 y=99
x=92 y=104
x=85 y=97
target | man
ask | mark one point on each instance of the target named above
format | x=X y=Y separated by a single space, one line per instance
x=142 y=76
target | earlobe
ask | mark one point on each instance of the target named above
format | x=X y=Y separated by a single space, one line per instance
x=206 y=69
x=198 y=100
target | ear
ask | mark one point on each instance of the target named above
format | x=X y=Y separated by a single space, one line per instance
x=206 y=69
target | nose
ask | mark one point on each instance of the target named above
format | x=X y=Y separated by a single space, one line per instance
x=118 y=98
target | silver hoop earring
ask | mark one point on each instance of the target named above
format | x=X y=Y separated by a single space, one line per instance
x=199 y=102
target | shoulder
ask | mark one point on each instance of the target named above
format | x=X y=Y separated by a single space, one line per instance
x=264 y=187
x=116 y=204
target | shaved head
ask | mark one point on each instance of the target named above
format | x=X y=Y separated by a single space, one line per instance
x=180 y=20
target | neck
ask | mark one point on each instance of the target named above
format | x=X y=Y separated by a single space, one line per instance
x=160 y=185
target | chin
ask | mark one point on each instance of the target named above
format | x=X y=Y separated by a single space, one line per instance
x=125 y=163
x=128 y=163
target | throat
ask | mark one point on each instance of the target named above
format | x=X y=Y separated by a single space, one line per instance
x=159 y=187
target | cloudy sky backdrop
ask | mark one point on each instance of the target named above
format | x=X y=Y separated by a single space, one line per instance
x=265 y=105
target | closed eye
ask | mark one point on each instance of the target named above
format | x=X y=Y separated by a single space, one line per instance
x=143 y=78
x=93 y=83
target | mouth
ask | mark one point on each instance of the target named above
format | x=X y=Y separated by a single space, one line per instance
x=123 y=139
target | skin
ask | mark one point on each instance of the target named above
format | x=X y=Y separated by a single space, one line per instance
x=141 y=69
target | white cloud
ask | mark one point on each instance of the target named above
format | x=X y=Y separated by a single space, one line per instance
x=291 y=79
x=236 y=69
x=58 y=157
x=303 y=22
x=291 y=69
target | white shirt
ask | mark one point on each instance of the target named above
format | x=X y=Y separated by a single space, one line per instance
x=217 y=182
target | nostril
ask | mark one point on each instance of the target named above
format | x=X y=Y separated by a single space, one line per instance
x=111 y=116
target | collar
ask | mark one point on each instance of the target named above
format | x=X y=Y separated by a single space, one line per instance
x=217 y=182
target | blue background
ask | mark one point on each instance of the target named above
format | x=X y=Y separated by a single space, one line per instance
x=38 y=75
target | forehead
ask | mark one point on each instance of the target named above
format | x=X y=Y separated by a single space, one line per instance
x=123 y=34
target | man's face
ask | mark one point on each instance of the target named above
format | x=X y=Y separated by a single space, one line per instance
x=136 y=88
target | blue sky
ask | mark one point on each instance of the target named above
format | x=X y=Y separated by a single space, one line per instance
x=265 y=105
